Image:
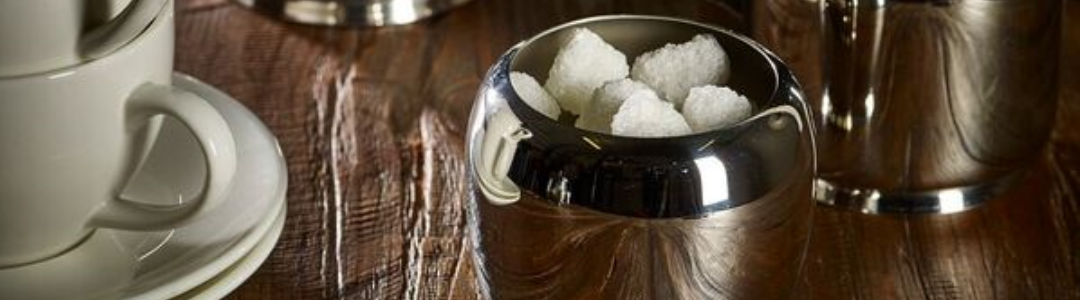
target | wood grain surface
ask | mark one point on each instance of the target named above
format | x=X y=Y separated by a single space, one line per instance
x=371 y=122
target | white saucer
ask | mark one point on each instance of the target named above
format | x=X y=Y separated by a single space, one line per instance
x=228 y=280
x=113 y=264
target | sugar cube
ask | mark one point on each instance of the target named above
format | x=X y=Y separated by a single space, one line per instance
x=711 y=108
x=674 y=69
x=606 y=101
x=534 y=95
x=582 y=65
x=644 y=114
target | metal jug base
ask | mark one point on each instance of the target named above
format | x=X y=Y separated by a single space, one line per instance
x=363 y=13
x=932 y=202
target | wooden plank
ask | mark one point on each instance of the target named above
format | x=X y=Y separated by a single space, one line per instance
x=371 y=121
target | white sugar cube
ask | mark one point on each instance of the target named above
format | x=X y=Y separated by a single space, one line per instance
x=645 y=115
x=711 y=108
x=583 y=64
x=606 y=101
x=674 y=69
x=534 y=95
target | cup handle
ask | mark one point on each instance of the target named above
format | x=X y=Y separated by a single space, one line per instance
x=218 y=147
x=119 y=31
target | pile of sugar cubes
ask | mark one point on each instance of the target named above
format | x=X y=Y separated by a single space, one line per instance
x=672 y=91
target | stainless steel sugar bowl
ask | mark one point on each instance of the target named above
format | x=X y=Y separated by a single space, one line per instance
x=556 y=212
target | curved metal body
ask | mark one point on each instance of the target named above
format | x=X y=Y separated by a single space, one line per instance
x=574 y=214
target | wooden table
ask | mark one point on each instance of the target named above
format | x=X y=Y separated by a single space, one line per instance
x=372 y=120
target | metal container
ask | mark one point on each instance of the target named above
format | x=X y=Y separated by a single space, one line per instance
x=556 y=212
x=353 y=12
x=926 y=106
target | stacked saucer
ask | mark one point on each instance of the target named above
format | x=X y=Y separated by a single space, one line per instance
x=207 y=258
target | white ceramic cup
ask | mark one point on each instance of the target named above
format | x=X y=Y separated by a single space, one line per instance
x=43 y=35
x=72 y=138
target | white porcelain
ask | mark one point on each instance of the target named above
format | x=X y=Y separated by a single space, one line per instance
x=72 y=139
x=43 y=35
x=118 y=264
x=230 y=279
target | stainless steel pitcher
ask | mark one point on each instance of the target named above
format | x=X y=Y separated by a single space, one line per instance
x=923 y=106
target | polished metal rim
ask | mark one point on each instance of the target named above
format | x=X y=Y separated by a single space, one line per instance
x=933 y=202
